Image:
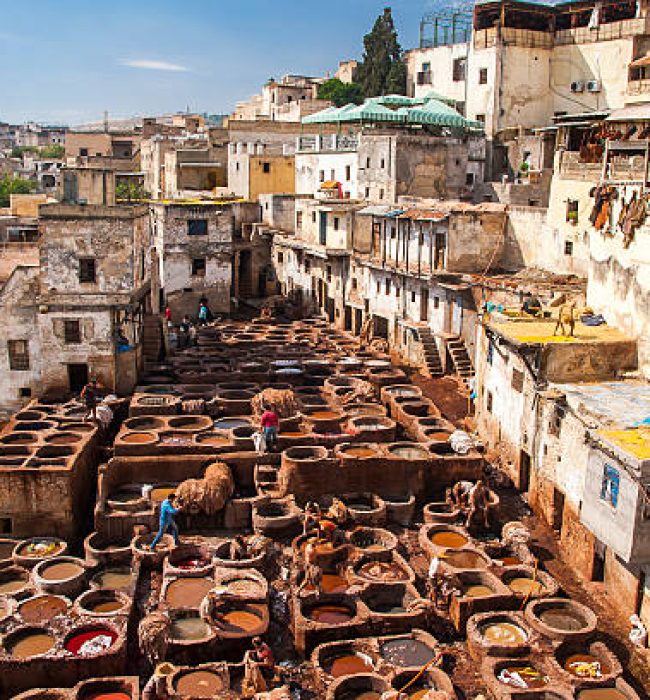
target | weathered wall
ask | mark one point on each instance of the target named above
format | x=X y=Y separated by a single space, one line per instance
x=279 y=211
x=280 y=179
x=474 y=239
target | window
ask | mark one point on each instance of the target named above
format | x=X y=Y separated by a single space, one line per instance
x=367 y=162
x=18 y=355
x=280 y=258
x=336 y=223
x=348 y=173
x=72 y=332
x=413 y=297
x=197 y=227
x=354 y=283
x=381 y=194
x=610 y=485
x=398 y=291
x=332 y=174
x=367 y=192
x=378 y=287
x=321 y=176
x=460 y=108
x=87 y=270
x=307 y=264
x=198 y=267
x=436 y=302
x=488 y=401
x=426 y=67
x=266 y=167
x=568 y=247
x=83 y=151
x=237 y=166
x=469 y=179
x=387 y=284
x=24 y=392
x=313 y=217
x=383 y=163
x=517 y=380
x=299 y=220
x=482 y=76
x=329 y=273
x=572 y=211
x=480 y=118
x=460 y=65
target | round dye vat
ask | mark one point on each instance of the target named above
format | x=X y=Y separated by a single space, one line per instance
x=115 y=578
x=477 y=591
x=388 y=609
x=417 y=692
x=449 y=539
x=91 y=642
x=13 y=583
x=31 y=643
x=585 y=666
x=187 y=629
x=323 y=415
x=361 y=507
x=199 y=684
x=43 y=608
x=230 y=423
x=108 y=695
x=125 y=496
x=407 y=653
x=383 y=571
x=508 y=561
x=61 y=571
x=214 y=440
x=37 y=549
x=190 y=563
x=160 y=493
x=63 y=439
x=109 y=605
x=601 y=694
x=349 y=665
x=241 y=621
x=522 y=676
x=464 y=559
x=330 y=614
x=188 y=592
x=409 y=452
x=561 y=619
x=526 y=586
x=359 y=452
x=504 y=633
x=137 y=438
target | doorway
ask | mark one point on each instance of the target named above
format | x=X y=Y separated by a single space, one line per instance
x=524 y=471
x=558 y=510
x=348 y=318
x=424 y=304
x=246 y=290
x=77 y=377
x=598 y=567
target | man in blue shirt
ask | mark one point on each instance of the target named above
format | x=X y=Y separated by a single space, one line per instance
x=167 y=523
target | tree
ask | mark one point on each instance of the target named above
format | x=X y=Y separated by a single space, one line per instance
x=382 y=71
x=127 y=191
x=14 y=185
x=340 y=93
x=55 y=150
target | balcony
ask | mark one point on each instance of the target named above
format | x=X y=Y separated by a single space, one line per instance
x=638 y=87
x=425 y=78
x=571 y=167
x=625 y=29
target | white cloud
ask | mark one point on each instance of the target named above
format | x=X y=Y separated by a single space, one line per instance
x=156 y=65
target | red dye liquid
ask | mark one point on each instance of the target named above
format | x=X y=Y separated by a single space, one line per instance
x=190 y=563
x=75 y=644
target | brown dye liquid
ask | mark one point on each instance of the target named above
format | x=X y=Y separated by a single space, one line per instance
x=465 y=560
x=531 y=676
x=449 y=539
x=359 y=452
x=477 y=591
x=407 y=653
x=42 y=609
x=31 y=644
x=561 y=620
x=215 y=440
x=331 y=583
x=241 y=621
x=26 y=440
x=368 y=695
x=349 y=665
x=291 y=435
x=585 y=666
x=383 y=571
x=526 y=586
x=438 y=436
x=13 y=584
x=504 y=633
x=601 y=694
x=188 y=592
x=509 y=561
x=61 y=572
x=114 y=578
x=324 y=415
x=107 y=606
x=418 y=693
x=160 y=493
x=137 y=438
x=199 y=684
x=330 y=614
x=63 y=439
x=189 y=628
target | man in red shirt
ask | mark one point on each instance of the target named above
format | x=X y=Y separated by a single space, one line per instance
x=270 y=423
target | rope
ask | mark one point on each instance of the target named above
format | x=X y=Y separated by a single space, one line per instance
x=530 y=590
x=420 y=672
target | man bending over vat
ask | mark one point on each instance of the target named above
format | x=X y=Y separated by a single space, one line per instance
x=167 y=523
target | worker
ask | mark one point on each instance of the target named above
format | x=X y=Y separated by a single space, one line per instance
x=479 y=500
x=89 y=395
x=312 y=517
x=270 y=423
x=238 y=548
x=566 y=318
x=459 y=495
x=168 y=314
x=262 y=655
x=184 y=332
x=532 y=305
x=204 y=313
x=167 y=523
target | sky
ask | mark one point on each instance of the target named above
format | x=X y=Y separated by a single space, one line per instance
x=68 y=61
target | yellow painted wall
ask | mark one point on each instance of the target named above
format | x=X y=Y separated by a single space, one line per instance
x=280 y=180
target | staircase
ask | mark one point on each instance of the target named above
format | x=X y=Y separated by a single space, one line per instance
x=460 y=358
x=430 y=351
x=152 y=340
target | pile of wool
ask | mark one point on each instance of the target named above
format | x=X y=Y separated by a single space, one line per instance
x=281 y=401
x=209 y=494
x=153 y=636
x=363 y=392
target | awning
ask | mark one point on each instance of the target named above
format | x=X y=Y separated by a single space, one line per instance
x=375 y=210
x=330 y=185
x=642 y=62
x=631 y=113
